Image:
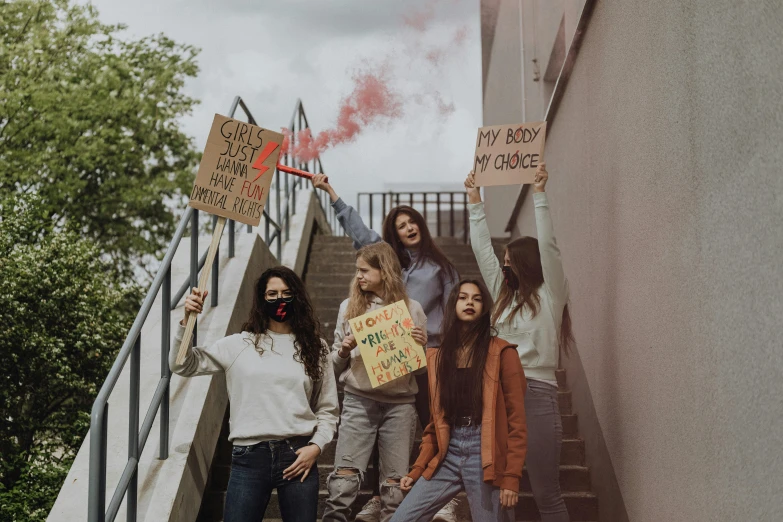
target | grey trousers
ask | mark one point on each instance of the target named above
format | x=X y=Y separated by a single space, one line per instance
x=544 y=438
x=361 y=420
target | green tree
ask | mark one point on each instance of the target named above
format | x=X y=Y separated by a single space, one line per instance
x=64 y=318
x=89 y=121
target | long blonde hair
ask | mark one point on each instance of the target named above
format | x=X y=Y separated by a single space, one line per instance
x=380 y=256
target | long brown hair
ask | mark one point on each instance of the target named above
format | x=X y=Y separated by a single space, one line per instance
x=475 y=338
x=525 y=258
x=310 y=350
x=380 y=256
x=427 y=247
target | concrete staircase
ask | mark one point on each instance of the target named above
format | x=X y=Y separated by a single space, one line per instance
x=328 y=274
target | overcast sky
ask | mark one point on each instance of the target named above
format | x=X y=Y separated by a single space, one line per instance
x=273 y=52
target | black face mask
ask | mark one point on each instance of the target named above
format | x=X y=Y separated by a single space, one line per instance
x=511 y=278
x=278 y=310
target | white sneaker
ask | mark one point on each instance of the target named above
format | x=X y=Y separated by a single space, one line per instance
x=448 y=512
x=371 y=512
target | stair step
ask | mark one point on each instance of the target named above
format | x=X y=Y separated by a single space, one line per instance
x=582 y=507
x=572 y=452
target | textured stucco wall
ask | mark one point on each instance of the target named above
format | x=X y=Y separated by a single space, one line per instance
x=666 y=169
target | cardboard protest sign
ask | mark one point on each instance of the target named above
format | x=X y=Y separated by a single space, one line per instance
x=384 y=339
x=509 y=154
x=236 y=170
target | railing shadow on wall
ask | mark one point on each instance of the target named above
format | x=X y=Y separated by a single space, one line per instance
x=282 y=204
x=446 y=213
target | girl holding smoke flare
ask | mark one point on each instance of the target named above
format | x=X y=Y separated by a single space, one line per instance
x=477 y=391
x=279 y=358
x=429 y=278
x=531 y=296
x=386 y=412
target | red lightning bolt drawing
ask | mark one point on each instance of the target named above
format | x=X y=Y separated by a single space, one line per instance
x=281 y=311
x=269 y=149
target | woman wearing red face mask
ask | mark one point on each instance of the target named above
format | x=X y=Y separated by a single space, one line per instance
x=428 y=276
x=531 y=296
x=278 y=359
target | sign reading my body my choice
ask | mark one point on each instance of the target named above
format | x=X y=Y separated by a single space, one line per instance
x=509 y=154
x=236 y=170
x=384 y=339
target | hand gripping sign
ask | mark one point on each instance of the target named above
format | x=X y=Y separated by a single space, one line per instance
x=233 y=182
x=509 y=154
x=384 y=339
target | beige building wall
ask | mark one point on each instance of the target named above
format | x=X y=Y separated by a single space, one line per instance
x=666 y=186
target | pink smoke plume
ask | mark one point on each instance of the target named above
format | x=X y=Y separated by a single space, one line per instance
x=420 y=20
x=372 y=101
x=374 y=98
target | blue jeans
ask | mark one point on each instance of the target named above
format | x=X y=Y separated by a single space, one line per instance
x=256 y=470
x=461 y=470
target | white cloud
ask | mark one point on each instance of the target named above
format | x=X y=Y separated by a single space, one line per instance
x=272 y=53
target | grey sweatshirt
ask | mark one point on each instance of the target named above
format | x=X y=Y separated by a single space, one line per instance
x=271 y=396
x=424 y=279
x=351 y=371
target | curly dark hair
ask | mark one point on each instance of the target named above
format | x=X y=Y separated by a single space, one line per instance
x=311 y=351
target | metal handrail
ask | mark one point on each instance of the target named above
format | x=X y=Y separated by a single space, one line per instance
x=424 y=202
x=131 y=348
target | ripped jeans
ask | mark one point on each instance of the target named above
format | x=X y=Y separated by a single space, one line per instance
x=360 y=421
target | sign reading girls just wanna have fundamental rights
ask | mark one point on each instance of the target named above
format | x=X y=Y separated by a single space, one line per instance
x=509 y=154
x=384 y=339
x=236 y=170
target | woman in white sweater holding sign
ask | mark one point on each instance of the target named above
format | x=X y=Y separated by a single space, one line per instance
x=282 y=394
x=386 y=411
x=531 y=295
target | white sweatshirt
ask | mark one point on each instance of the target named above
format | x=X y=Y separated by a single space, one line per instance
x=536 y=337
x=271 y=396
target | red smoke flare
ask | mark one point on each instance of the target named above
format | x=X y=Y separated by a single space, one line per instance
x=371 y=101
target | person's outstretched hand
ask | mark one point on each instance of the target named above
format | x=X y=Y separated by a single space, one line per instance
x=474 y=193
x=541 y=176
x=319 y=182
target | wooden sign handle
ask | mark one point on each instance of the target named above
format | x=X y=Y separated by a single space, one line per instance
x=202 y=285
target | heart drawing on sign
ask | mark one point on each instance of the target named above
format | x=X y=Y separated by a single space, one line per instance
x=364 y=341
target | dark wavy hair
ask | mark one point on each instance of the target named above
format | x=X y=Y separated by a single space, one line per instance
x=427 y=247
x=311 y=351
x=525 y=257
x=475 y=337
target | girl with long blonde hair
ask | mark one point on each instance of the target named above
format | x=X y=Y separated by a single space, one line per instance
x=387 y=411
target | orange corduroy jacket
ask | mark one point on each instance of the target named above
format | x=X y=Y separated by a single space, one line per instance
x=503 y=428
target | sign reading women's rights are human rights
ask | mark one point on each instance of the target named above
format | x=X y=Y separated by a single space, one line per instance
x=509 y=154
x=384 y=339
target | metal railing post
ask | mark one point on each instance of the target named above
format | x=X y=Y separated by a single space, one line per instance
x=451 y=214
x=437 y=204
x=370 y=196
x=287 y=210
x=132 y=497
x=465 y=217
x=165 y=371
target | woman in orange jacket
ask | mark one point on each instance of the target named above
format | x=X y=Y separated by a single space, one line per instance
x=476 y=438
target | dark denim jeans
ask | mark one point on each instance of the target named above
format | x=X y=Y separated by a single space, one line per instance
x=256 y=470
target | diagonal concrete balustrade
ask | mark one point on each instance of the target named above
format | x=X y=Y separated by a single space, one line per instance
x=171 y=489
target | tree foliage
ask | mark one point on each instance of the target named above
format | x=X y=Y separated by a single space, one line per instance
x=64 y=317
x=89 y=121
